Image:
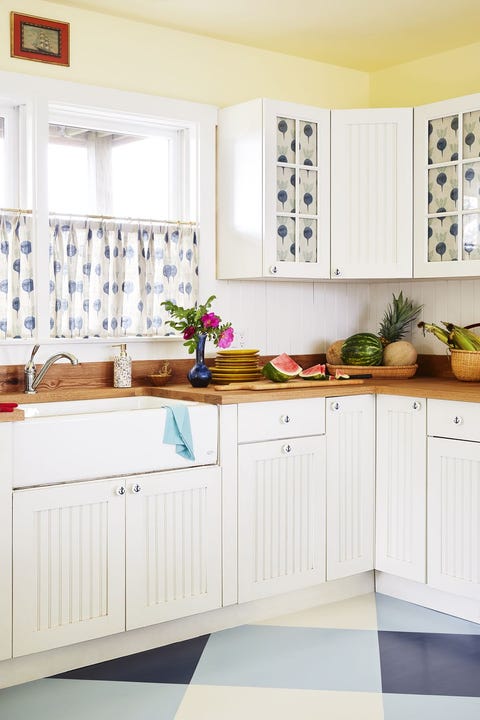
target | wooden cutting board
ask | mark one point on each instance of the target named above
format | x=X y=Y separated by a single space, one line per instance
x=289 y=385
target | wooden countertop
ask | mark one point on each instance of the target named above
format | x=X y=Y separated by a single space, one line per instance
x=426 y=387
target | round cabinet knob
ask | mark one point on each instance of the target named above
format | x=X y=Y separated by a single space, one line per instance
x=273 y=269
x=335 y=406
x=285 y=419
x=458 y=420
x=416 y=405
x=120 y=490
x=287 y=449
x=337 y=272
x=136 y=488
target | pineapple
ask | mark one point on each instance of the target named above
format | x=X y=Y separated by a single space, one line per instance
x=397 y=316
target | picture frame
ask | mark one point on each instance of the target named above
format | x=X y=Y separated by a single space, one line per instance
x=39 y=39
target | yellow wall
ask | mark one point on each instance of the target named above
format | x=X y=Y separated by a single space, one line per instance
x=127 y=55
x=438 y=77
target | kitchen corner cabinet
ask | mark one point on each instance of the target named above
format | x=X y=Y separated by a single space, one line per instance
x=447 y=188
x=401 y=486
x=281 y=497
x=350 y=433
x=80 y=549
x=371 y=191
x=273 y=191
x=5 y=541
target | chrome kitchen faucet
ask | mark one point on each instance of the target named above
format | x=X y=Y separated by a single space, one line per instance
x=32 y=379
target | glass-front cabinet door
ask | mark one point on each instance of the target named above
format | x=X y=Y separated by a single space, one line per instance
x=298 y=182
x=273 y=191
x=447 y=202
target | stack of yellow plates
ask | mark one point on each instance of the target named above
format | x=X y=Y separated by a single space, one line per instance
x=236 y=366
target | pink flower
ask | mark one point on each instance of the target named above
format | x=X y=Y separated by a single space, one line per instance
x=226 y=338
x=188 y=332
x=210 y=320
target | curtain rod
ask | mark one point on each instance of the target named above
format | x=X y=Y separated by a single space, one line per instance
x=19 y=211
x=127 y=219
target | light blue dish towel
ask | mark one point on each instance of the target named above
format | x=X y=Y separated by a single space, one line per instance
x=178 y=431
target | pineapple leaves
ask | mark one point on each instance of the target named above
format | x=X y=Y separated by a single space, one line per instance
x=397 y=316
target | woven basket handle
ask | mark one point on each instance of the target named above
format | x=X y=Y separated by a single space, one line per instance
x=469 y=327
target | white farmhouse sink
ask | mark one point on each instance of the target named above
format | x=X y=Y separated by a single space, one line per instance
x=79 y=407
x=87 y=439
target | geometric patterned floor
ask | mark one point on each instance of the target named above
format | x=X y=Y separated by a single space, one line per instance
x=368 y=658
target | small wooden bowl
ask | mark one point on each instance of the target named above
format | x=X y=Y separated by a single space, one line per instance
x=159 y=379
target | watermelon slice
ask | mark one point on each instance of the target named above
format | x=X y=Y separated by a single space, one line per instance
x=281 y=368
x=316 y=372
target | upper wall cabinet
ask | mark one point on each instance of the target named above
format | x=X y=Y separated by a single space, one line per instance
x=447 y=194
x=273 y=194
x=371 y=186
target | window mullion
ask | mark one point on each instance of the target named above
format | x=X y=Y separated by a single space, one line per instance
x=39 y=144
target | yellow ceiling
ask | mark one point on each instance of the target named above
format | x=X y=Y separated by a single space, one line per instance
x=363 y=34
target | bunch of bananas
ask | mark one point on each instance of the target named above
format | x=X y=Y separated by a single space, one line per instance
x=456 y=337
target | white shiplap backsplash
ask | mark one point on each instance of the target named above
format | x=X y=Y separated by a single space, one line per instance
x=295 y=317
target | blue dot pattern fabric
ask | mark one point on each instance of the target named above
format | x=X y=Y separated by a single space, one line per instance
x=109 y=278
x=17 y=296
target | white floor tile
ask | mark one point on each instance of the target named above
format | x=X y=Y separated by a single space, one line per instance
x=246 y=703
x=358 y=613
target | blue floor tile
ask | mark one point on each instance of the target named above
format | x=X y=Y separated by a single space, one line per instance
x=398 y=615
x=430 y=663
x=430 y=707
x=291 y=657
x=90 y=700
x=169 y=664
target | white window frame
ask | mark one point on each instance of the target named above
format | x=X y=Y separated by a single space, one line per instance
x=40 y=100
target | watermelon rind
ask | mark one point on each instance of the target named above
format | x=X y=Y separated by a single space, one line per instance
x=362 y=349
x=315 y=372
x=281 y=369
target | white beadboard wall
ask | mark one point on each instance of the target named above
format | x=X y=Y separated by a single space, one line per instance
x=303 y=317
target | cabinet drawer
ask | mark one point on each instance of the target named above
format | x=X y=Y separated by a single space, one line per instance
x=280 y=419
x=452 y=419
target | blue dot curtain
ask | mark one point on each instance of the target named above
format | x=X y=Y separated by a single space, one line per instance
x=108 y=278
x=17 y=297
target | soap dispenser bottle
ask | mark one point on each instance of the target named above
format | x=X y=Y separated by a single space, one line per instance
x=122 y=368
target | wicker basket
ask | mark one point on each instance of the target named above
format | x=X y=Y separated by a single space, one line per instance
x=386 y=371
x=466 y=364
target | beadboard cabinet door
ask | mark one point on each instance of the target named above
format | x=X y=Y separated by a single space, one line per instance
x=401 y=486
x=281 y=526
x=350 y=484
x=173 y=531
x=6 y=540
x=454 y=516
x=371 y=191
x=69 y=564
x=273 y=191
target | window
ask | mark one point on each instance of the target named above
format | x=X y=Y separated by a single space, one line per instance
x=107 y=197
x=136 y=174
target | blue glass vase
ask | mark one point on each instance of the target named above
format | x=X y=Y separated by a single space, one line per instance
x=200 y=375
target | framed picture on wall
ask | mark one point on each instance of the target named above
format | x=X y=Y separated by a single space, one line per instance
x=38 y=39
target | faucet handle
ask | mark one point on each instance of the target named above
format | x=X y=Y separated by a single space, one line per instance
x=34 y=352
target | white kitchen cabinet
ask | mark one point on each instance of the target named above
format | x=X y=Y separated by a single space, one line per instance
x=281 y=516
x=173 y=545
x=273 y=191
x=454 y=516
x=69 y=564
x=401 y=486
x=5 y=541
x=350 y=433
x=95 y=558
x=371 y=191
x=453 y=540
x=447 y=183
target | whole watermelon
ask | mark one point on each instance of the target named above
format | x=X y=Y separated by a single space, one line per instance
x=362 y=349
